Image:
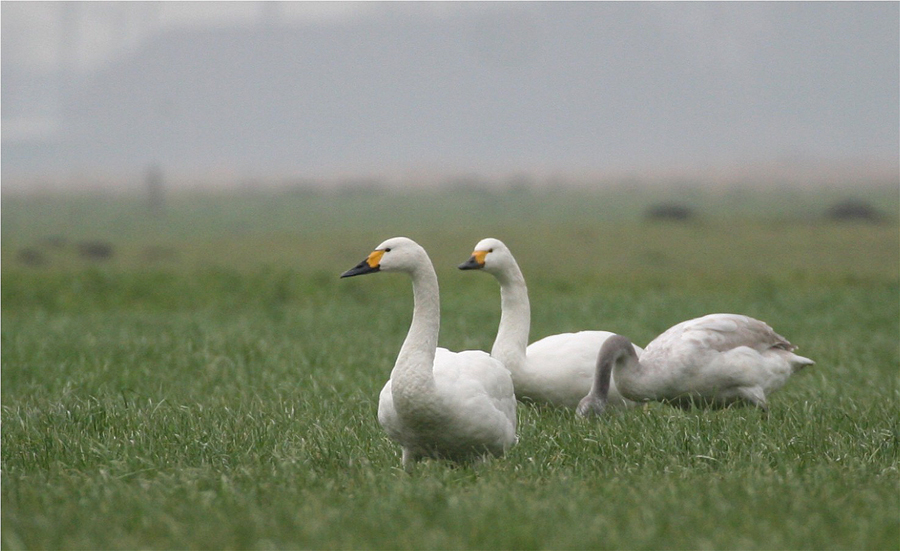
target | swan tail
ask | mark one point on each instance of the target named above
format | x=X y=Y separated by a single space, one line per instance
x=799 y=362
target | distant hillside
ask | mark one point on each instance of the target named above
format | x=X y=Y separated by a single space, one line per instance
x=581 y=87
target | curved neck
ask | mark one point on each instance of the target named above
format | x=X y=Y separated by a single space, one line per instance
x=412 y=375
x=515 y=320
x=617 y=353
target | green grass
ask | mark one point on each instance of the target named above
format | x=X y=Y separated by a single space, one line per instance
x=222 y=395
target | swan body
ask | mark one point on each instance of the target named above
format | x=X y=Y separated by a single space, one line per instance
x=558 y=369
x=438 y=403
x=716 y=360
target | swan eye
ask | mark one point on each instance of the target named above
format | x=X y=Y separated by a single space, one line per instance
x=491 y=250
x=387 y=250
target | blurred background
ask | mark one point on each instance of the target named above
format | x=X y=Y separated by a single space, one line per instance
x=127 y=95
x=183 y=184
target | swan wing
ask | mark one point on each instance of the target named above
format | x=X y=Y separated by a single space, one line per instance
x=717 y=333
x=407 y=433
x=477 y=409
x=478 y=392
x=389 y=420
x=727 y=331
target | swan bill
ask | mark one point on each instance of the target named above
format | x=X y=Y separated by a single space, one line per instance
x=475 y=262
x=368 y=266
x=360 y=269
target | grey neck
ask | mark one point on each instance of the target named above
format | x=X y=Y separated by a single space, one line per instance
x=616 y=352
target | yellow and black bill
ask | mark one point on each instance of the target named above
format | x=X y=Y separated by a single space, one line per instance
x=475 y=262
x=370 y=265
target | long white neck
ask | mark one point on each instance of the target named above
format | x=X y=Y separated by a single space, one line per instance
x=412 y=379
x=515 y=320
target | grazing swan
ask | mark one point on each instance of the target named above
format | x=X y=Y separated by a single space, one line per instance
x=558 y=369
x=438 y=403
x=716 y=360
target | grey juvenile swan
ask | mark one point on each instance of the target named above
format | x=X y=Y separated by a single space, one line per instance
x=715 y=360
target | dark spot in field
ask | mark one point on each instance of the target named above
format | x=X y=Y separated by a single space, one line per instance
x=95 y=250
x=31 y=257
x=670 y=211
x=853 y=210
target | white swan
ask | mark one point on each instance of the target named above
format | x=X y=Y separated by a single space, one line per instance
x=438 y=403
x=716 y=360
x=558 y=369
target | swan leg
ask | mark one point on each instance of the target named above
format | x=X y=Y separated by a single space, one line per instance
x=483 y=459
x=409 y=459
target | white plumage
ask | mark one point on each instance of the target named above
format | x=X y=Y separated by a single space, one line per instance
x=439 y=403
x=715 y=360
x=558 y=369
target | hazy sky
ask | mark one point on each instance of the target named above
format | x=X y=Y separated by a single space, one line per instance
x=310 y=89
x=33 y=31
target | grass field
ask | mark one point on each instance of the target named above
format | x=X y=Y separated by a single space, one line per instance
x=213 y=384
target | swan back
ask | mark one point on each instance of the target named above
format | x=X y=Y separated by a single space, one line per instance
x=721 y=332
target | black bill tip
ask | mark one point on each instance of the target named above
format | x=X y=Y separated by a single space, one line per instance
x=360 y=269
x=471 y=264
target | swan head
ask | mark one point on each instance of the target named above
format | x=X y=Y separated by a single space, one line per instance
x=398 y=254
x=591 y=406
x=490 y=255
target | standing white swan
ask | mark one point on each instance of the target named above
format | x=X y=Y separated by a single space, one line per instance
x=438 y=403
x=558 y=369
x=716 y=360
